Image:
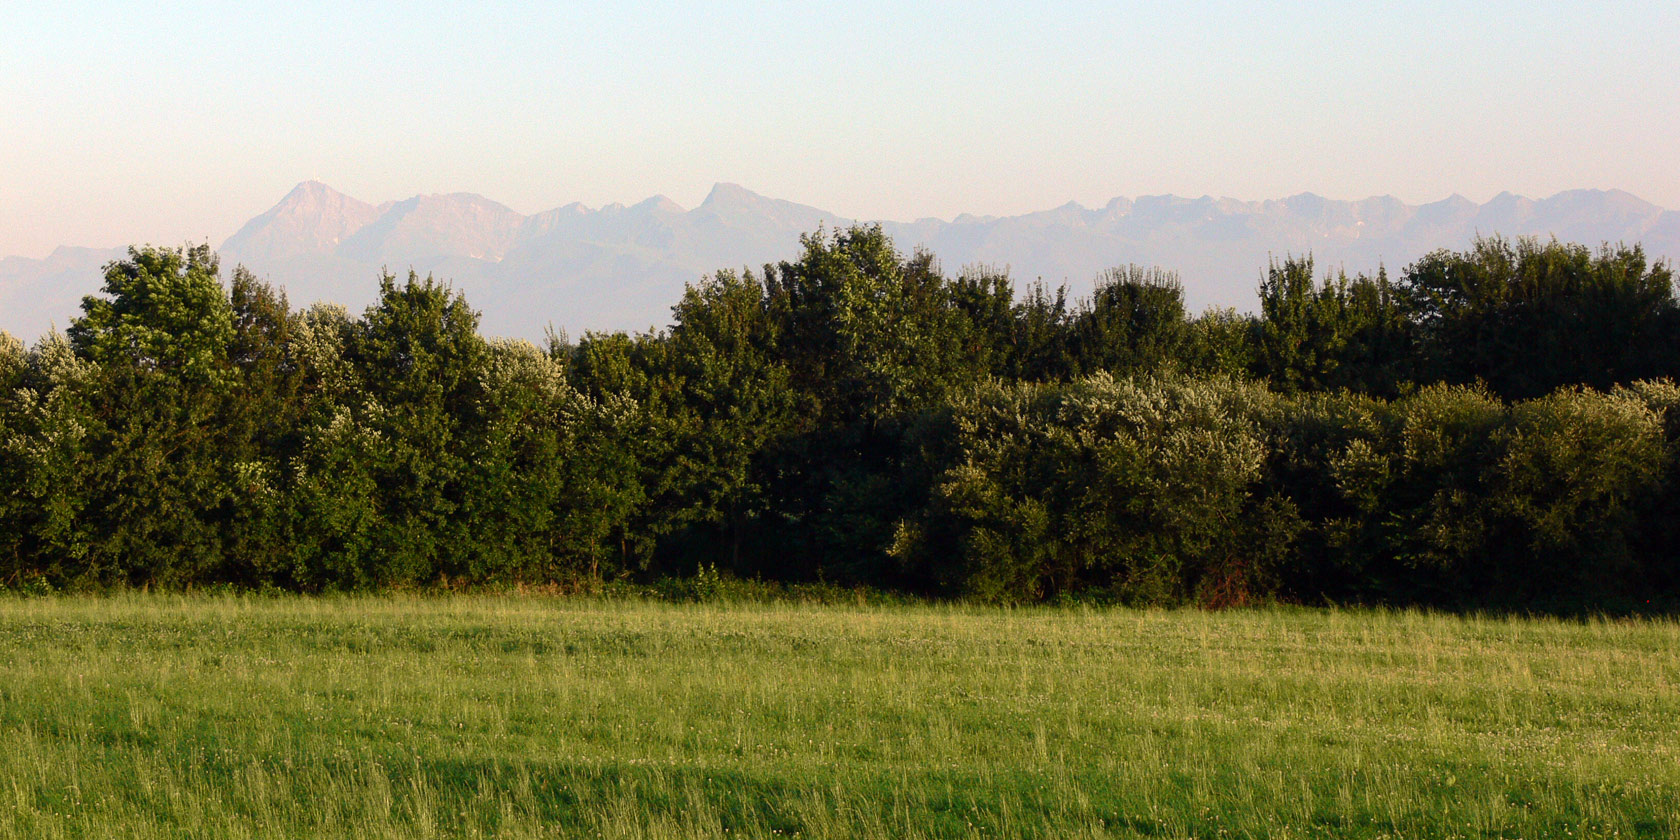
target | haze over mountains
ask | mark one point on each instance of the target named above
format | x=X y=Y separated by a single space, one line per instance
x=621 y=267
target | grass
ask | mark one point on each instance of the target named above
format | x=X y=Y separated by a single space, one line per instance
x=509 y=716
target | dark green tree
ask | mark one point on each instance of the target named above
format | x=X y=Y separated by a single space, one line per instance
x=14 y=508
x=1527 y=317
x=632 y=418
x=1221 y=342
x=419 y=360
x=985 y=298
x=159 y=338
x=738 y=395
x=1342 y=333
x=866 y=333
x=1133 y=323
x=1041 y=351
x=261 y=428
x=515 y=467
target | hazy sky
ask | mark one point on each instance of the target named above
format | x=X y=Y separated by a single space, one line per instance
x=123 y=124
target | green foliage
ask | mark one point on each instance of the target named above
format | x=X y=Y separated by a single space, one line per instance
x=636 y=424
x=1220 y=342
x=160 y=393
x=1343 y=333
x=334 y=501
x=164 y=313
x=1147 y=489
x=603 y=473
x=13 y=356
x=1132 y=324
x=1486 y=431
x=867 y=333
x=515 y=474
x=13 y=510
x=1041 y=350
x=1528 y=317
x=737 y=399
x=1393 y=492
x=1576 y=475
x=1659 y=547
x=984 y=298
x=262 y=426
x=1445 y=447
x=419 y=358
x=48 y=462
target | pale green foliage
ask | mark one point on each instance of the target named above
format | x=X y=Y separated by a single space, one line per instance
x=12 y=356
x=317 y=347
x=1138 y=487
x=1661 y=396
x=166 y=311
x=335 y=496
x=1574 y=468
x=44 y=447
x=517 y=366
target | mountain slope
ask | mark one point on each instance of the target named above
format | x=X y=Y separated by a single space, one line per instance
x=40 y=295
x=311 y=221
x=428 y=229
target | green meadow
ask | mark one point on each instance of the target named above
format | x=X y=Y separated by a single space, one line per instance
x=523 y=716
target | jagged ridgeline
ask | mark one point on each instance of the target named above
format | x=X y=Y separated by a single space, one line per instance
x=619 y=267
x=1495 y=427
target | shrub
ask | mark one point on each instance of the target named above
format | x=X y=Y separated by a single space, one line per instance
x=1146 y=489
x=1575 y=472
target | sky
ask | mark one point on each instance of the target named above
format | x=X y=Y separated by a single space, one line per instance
x=123 y=124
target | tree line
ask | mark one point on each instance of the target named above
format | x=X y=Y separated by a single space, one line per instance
x=1495 y=427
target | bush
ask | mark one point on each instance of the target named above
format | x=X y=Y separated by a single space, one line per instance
x=1576 y=472
x=1146 y=489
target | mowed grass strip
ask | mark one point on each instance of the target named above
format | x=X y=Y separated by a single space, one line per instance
x=162 y=716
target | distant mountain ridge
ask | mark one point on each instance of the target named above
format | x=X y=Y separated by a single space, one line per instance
x=620 y=267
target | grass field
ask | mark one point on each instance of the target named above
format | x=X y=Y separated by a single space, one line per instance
x=159 y=716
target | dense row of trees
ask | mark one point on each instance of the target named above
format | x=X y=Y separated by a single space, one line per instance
x=1493 y=427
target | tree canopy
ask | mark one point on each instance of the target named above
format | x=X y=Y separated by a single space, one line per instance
x=1490 y=427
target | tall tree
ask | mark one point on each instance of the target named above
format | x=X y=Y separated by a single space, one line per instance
x=1341 y=333
x=629 y=419
x=871 y=339
x=866 y=332
x=261 y=427
x=724 y=350
x=1133 y=323
x=160 y=339
x=1041 y=351
x=48 y=458
x=14 y=510
x=1527 y=317
x=515 y=466
x=418 y=355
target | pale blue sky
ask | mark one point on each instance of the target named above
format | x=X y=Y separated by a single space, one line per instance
x=123 y=123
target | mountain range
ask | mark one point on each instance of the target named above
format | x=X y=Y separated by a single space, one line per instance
x=619 y=267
